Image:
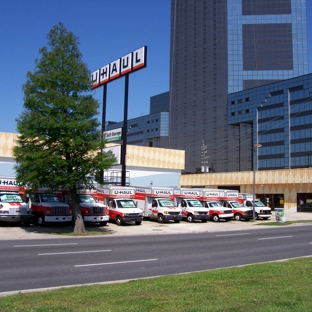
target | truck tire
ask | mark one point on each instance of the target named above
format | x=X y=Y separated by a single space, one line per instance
x=103 y=223
x=138 y=222
x=176 y=221
x=40 y=219
x=237 y=217
x=204 y=221
x=190 y=218
x=215 y=218
x=118 y=221
x=160 y=218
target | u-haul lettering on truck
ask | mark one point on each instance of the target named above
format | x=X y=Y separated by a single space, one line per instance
x=212 y=194
x=123 y=192
x=141 y=191
x=163 y=192
x=191 y=193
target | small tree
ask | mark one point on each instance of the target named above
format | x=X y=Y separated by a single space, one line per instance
x=60 y=144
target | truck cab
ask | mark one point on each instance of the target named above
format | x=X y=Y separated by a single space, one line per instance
x=13 y=209
x=261 y=211
x=156 y=204
x=92 y=211
x=240 y=212
x=119 y=199
x=192 y=208
x=46 y=207
x=217 y=212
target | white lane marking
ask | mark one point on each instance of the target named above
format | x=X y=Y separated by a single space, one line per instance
x=71 y=252
x=233 y=234
x=108 y=263
x=277 y=237
x=44 y=245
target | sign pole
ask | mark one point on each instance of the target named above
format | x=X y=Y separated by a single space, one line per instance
x=124 y=133
x=103 y=122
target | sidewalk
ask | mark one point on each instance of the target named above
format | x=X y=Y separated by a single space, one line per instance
x=8 y=232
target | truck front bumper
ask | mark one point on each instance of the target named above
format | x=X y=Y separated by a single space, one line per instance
x=15 y=218
x=201 y=216
x=226 y=215
x=132 y=218
x=172 y=217
x=96 y=218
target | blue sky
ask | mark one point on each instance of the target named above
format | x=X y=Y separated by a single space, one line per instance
x=107 y=30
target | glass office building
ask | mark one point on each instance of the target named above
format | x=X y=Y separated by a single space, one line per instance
x=220 y=47
x=149 y=130
x=278 y=116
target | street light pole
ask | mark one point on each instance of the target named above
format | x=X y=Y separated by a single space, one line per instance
x=254 y=181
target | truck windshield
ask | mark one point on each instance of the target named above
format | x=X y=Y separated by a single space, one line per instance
x=236 y=204
x=11 y=198
x=214 y=204
x=259 y=203
x=165 y=203
x=125 y=203
x=48 y=198
x=86 y=199
x=194 y=203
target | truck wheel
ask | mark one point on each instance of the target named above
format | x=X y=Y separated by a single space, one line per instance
x=118 y=221
x=176 y=221
x=256 y=216
x=40 y=219
x=138 y=222
x=237 y=217
x=190 y=218
x=161 y=218
x=204 y=221
x=103 y=223
x=215 y=218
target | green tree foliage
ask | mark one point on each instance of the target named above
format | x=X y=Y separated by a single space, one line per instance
x=60 y=140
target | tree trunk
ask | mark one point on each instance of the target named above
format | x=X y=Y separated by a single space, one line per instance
x=77 y=216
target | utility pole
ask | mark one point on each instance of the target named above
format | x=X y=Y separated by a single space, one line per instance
x=204 y=157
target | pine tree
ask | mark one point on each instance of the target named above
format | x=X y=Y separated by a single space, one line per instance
x=60 y=141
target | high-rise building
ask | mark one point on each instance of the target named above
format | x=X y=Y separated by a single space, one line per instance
x=220 y=47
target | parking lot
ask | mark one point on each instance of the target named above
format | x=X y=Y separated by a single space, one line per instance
x=146 y=228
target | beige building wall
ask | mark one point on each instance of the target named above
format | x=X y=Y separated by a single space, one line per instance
x=6 y=144
x=288 y=182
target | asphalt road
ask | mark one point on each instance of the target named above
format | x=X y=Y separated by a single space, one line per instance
x=44 y=263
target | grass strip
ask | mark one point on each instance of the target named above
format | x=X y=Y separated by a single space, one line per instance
x=280 y=286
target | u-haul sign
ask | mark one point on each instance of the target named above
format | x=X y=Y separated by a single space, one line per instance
x=120 y=67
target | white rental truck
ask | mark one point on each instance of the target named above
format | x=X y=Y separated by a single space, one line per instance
x=210 y=199
x=261 y=211
x=156 y=204
x=92 y=211
x=121 y=205
x=47 y=207
x=12 y=207
x=192 y=208
x=240 y=211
